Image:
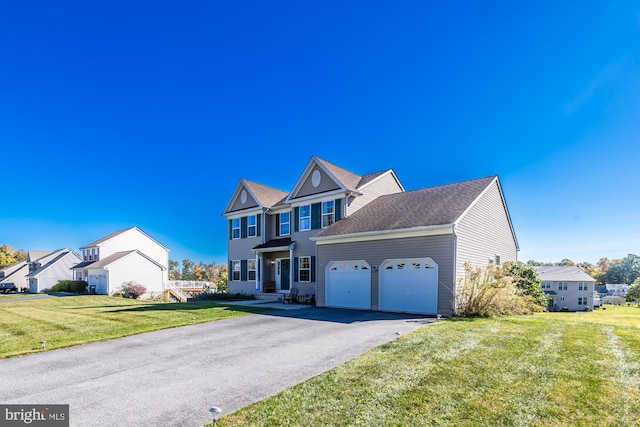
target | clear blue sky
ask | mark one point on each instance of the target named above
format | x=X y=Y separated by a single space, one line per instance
x=147 y=113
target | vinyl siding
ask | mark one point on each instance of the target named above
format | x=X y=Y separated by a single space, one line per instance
x=304 y=247
x=484 y=232
x=60 y=270
x=571 y=296
x=134 y=239
x=439 y=248
x=138 y=269
x=238 y=205
x=386 y=184
x=326 y=184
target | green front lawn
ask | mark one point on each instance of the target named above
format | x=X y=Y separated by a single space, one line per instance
x=67 y=321
x=546 y=370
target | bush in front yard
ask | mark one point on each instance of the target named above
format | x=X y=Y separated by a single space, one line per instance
x=489 y=292
x=75 y=286
x=133 y=290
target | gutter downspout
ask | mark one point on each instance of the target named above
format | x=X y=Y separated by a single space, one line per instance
x=455 y=268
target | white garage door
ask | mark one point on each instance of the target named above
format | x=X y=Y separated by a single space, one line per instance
x=409 y=285
x=348 y=284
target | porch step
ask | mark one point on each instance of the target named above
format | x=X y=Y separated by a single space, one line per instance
x=269 y=297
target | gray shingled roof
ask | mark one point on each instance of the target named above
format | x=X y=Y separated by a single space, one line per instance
x=349 y=179
x=441 y=205
x=111 y=259
x=33 y=256
x=61 y=254
x=267 y=196
x=563 y=273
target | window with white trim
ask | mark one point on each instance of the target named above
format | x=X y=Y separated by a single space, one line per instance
x=251 y=269
x=328 y=213
x=583 y=286
x=583 y=301
x=305 y=218
x=251 y=226
x=304 y=269
x=235 y=228
x=546 y=285
x=285 y=223
x=562 y=286
x=236 y=270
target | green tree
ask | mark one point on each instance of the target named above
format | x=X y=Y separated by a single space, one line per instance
x=187 y=269
x=174 y=270
x=526 y=279
x=625 y=270
x=566 y=262
x=633 y=294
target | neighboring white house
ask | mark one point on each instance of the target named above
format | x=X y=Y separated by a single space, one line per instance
x=568 y=288
x=128 y=255
x=47 y=268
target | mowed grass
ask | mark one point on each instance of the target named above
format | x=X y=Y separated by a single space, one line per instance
x=551 y=369
x=67 y=321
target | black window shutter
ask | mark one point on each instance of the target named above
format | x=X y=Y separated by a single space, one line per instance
x=277 y=225
x=243 y=270
x=338 y=209
x=230 y=272
x=230 y=229
x=313 y=269
x=316 y=216
x=295 y=269
x=296 y=219
x=243 y=227
x=258 y=221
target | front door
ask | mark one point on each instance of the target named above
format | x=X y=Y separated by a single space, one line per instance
x=282 y=275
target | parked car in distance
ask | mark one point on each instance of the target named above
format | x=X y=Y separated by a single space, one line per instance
x=597 y=302
x=8 y=288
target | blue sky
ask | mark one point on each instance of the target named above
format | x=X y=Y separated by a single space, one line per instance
x=114 y=114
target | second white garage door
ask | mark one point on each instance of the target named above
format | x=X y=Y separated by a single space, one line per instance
x=348 y=284
x=409 y=285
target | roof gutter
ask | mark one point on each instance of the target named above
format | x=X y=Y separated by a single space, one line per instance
x=429 y=230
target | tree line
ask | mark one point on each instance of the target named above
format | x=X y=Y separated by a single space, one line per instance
x=10 y=256
x=624 y=270
x=189 y=270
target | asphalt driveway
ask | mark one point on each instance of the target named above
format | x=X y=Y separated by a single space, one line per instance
x=172 y=377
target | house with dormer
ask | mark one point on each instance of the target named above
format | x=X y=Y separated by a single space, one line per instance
x=128 y=255
x=362 y=241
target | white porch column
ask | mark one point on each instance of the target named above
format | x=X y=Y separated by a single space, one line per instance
x=290 y=268
x=258 y=271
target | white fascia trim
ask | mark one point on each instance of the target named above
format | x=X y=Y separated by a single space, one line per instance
x=431 y=230
x=239 y=214
x=274 y=249
x=322 y=197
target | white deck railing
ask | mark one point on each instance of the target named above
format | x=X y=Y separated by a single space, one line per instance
x=188 y=284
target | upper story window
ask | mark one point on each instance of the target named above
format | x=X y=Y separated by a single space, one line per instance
x=285 y=223
x=583 y=286
x=328 y=213
x=305 y=218
x=251 y=226
x=235 y=228
x=562 y=286
x=546 y=285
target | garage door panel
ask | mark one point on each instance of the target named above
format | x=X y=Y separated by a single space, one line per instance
x=409 y=285
x=348 y=284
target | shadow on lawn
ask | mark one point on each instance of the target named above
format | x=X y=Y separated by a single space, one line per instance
x=179 y=306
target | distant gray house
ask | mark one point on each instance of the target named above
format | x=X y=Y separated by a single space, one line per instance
x=16 y=274
x=568 y=288
x=47 y=268
x=362 y=241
